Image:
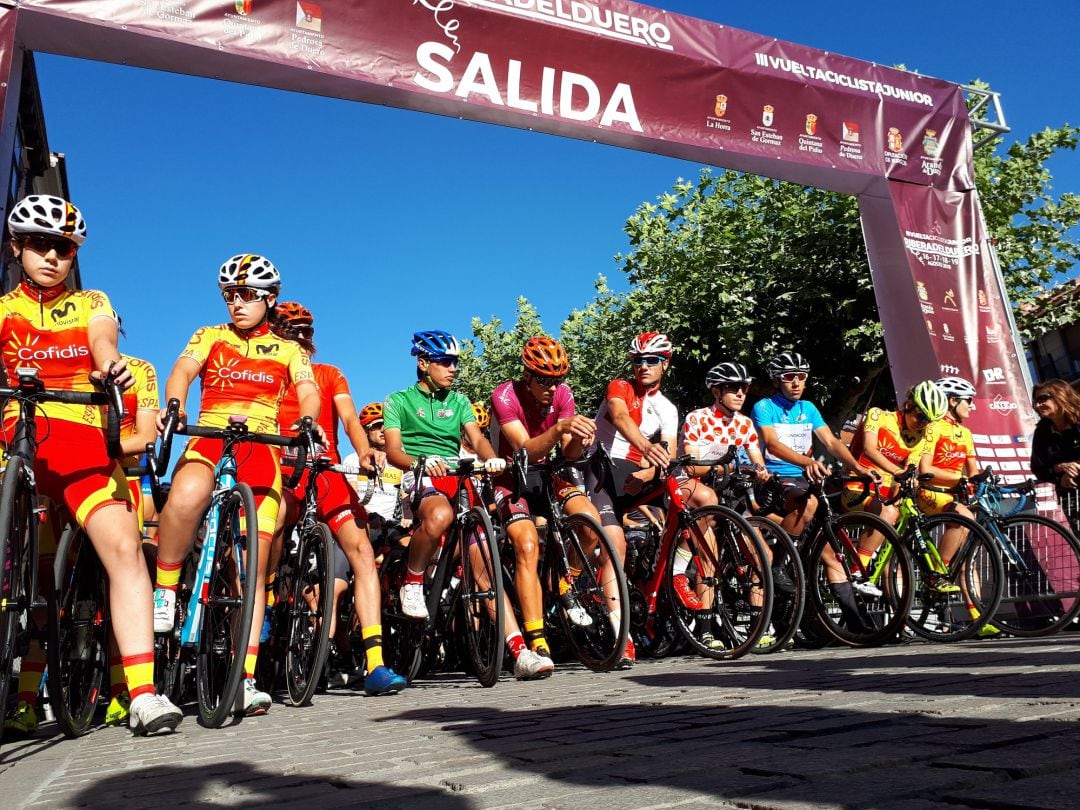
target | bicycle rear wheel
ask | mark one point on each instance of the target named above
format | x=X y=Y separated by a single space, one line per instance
x=955 y=605
x=228 y=604
x=788 y=601
x=1042 y=582
x=171 y=666
x=598 y=645
x=859 y=618
x=18 y=544
x=731 y=576
x=77 y=647
x=481 y=595
x=309 y=622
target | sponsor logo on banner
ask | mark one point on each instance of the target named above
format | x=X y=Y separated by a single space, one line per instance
x=931 y=164
x=242 y=24
x=1002 y=405
x=949 y=301
x=992 y=335
x=571 y=96
x=850 y=146
x=949 y=337
x=168 y=10
x=767 y=115
x=765 y=134
x=984 y=304
x=308 y=15
x=851 y=132
x=580 y=15
x=934 y=250
x=930 y=328
x=949 y=370
x=719 y=120
x=810 y=142
x=243 y=7
x=993 y=376
x=894 y=148
x=924 y=298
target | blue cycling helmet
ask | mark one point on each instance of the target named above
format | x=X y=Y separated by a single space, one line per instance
x=434 y=343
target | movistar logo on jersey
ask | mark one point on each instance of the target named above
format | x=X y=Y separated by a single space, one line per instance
x=237 y=375
x=60 y=313
x=70 y=352
x=270 y=348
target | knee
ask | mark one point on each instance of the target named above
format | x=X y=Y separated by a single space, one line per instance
x=526 y=543
x=890 y=514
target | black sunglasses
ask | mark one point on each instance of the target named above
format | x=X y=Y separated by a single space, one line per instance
x=43 y=244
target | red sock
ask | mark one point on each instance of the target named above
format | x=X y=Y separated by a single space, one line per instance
x=413 y=577
x=516 y=644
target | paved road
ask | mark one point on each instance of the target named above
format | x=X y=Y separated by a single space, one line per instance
x=984 y=724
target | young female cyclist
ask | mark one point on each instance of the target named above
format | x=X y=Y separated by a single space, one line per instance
x=338 y=504
x=244 y=369
x=70 y=337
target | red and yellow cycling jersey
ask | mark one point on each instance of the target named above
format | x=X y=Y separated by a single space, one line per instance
x=47 y=329
x=951 y=446
x=141 y=396
x=245 y=373
x=332 y=383
x=902 y=447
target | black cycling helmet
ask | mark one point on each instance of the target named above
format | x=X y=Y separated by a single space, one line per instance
x=786 y=362
x=727 y=373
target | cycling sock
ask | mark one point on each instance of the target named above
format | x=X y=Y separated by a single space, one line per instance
x=271 y=597
x=30 y=681
x=372 y=635
x=414 y=577
x=168 y=575
x=534 y=634
x=865 y=557
x=139 y=674
x=567 y=582
x=117 y=684
x=516 y=644
x=616 y=619
x=681 y=561
x=250 y=659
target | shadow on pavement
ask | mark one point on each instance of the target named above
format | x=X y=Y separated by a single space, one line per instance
x=243 y=784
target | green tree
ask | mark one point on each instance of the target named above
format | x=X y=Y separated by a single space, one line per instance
x=494 y=355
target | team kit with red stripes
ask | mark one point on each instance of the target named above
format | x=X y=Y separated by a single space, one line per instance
x=404 y=485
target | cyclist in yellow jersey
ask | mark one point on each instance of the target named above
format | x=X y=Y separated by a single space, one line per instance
x=244 y=369
x=70 y=338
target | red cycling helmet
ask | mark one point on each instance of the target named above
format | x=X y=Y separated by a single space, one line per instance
x=545 y=356
x=371 y=413
x=655 y=343
x=295 y=314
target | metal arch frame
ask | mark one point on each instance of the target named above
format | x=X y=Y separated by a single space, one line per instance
x=985 y=99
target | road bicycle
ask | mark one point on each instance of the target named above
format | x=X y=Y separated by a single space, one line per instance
x=1041 y=557
x=20 y=514
x=729 y=572
x=953 y=598
x=463 y=588
x=216 y=596
x=859 y=604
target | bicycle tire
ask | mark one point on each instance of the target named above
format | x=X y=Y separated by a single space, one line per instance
x=600 y=645
x=1033 y=604
x=877 y=619
x=77 y=648
x=480 y=606
x=787 y=610
x=738 y=624
x=228 y=609
x=979 y=572
x=15 y=574
x=309 y=633
x=170 y=661
x=402 y=637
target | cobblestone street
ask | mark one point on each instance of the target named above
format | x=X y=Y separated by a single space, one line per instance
x=984 y=724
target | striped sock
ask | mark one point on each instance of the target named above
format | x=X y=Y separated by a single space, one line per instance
x=372 y=635
x=414 y=577
x=139 y=674
x=534 y=634
x=168 y=575
x=30 y=680
x=516 y=644
x=117 y=684
x=250 y=660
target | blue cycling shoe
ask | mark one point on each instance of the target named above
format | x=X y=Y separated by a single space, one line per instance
x=383 y=681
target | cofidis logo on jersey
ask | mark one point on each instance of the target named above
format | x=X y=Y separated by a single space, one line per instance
x=30 y=350
x=226 y=373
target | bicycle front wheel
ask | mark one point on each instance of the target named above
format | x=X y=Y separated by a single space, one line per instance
x=597 y=643
x=789 y=585
x=78 y=633
x=1042 y=576
x=311 y=604
x=481 y=595
x=954 y=600
x=17 y=544
x=866 y=610
x=730 y=576
x=228 y=603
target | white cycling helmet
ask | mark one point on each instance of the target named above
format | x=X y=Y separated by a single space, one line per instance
x=727 y=373
x=655 y=343
x=786 y=362
x=249 y=270
x=956 y=387
x=44 y=213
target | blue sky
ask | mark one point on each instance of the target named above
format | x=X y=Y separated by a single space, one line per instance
x=384 y=221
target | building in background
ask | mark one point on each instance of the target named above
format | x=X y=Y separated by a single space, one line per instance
x=1056 y=354
x=35 y=169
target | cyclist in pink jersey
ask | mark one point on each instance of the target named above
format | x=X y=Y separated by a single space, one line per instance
x=537 y=413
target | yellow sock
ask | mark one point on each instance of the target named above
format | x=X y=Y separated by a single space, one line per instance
x=168 y=575
x=865 y=557
x=372 y=635
x=534 y=634
x=271 y=597
x=250 y=660
x=139 y=674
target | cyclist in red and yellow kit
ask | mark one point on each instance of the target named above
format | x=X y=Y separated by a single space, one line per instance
x=70 y=337
x=244 y=369
x=339 y=506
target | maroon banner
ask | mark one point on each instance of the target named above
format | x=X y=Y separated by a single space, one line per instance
x=607 y=70
x=10 y=83
x=952 y=317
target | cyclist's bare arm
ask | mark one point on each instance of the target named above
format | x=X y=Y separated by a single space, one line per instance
x=479 y=441
x=145 y=433
x=926 y=465
x=307 y=394
x=569 y=433
x=183 y=374
x=620 y=417
x=102 y=335
x=838 y=450
x=395 y=452
x=350 y=420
